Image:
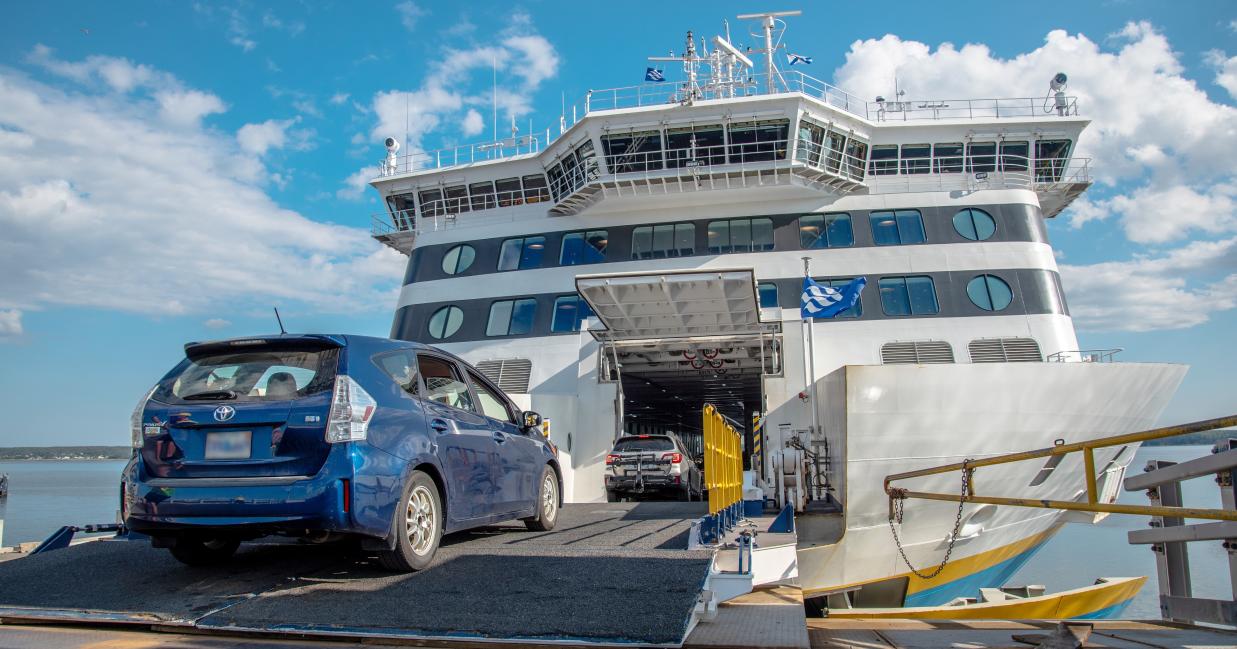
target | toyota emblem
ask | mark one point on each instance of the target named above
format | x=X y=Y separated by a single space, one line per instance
x=224 y=413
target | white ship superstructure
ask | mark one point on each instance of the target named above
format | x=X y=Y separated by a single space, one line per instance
x=647 y=258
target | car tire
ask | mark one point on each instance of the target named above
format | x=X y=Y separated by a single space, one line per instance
x=612 y=497
x=547 y=503
x=204 y=550
x=417 y=526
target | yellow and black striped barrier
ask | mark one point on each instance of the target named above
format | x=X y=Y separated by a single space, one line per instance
x=723 y=475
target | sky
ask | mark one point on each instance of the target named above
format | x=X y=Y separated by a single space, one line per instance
x=170 y=171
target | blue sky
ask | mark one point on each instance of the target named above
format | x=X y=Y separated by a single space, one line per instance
x=170 y=170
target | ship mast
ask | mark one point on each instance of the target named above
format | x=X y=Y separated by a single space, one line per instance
x=768 y=22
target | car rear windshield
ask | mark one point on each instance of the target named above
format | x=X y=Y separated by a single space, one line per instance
x=641 y=444
x=252 y=375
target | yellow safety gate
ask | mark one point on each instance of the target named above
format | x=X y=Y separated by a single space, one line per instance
x=723 y=474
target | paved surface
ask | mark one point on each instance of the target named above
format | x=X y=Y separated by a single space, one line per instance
x=770 y=618
x=922 y=634
x=616 y=572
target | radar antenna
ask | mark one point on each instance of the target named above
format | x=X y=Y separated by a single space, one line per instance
x=770 y=22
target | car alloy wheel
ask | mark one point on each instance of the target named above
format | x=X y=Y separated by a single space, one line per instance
x=421 y=520
x=549 y=498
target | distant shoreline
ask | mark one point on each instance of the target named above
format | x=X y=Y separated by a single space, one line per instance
x=64 y=453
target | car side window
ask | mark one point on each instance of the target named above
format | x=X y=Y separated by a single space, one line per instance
x=401 y=366
x=491 y=404
x=443 y=383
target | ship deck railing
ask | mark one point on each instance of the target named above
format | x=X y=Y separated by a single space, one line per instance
x=1085 y=355
x=668 y=93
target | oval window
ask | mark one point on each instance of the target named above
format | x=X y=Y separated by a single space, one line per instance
x=989 y=292
x=445 y=322
x=974 y=224
x=458 y=259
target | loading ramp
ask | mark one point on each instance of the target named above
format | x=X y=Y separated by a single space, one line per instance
x=609 y=574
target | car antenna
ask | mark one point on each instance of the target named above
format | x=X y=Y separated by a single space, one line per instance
x=279 y=320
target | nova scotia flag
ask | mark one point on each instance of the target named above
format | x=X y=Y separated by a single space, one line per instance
x=794 y=59
x=825 y=302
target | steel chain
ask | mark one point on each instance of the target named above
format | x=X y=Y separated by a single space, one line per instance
x=899 y=502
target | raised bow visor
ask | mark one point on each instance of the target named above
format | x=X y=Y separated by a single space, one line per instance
x=636 y=306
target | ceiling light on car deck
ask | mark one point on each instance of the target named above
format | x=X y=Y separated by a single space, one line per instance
x=351 y=411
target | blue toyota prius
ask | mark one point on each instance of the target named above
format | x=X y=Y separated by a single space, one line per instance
x=326 y=436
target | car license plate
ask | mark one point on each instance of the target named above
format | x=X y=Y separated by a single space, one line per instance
x=228 y=446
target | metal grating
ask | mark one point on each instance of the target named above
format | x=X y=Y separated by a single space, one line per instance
x=510 y=375
x=917 y=352
x=1005 y=350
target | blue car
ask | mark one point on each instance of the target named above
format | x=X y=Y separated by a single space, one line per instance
x=330 y=436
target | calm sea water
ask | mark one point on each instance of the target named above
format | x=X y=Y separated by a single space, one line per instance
x=45 y=495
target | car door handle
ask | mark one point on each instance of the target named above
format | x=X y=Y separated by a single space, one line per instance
x=501 y=438
x=439 y=425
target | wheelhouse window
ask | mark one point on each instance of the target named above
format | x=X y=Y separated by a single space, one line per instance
x=692 y=146
x=631 y=152
x=974 y=224
x=570 y=312
x=508 y=192
x=989 y=293
x=740 y=235
x=916 y=158
x=583 y=248
x=835 y=149
x=458 y=259
x=554 y=174
x=767 y=291
x=825 y=231
x=457 y=200
x=661 y=241
x=1014 y=156
x=981 y=157
x=586 y=158
x=511 y=317
x=884 y=161
x=914 y=295
x=856 y=157
x=535 y=189
x=482 y=195
x=897 y=228
x=759 y=141
x=402 y=210
x=840 y=283
x=521 y=254
x=947 y=158
x=811 y=142
x=431 y=202
x=1050 y=159
x=445 y=322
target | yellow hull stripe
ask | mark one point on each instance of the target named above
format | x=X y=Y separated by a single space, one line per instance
x=1058 y=606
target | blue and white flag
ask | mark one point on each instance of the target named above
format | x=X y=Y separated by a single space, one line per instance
x=653 y=74
x=820 y=301
x=793 y=59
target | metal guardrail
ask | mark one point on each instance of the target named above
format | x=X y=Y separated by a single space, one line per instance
x=1088 y=450
x=1169 y=535
x=1085 y=355
x=723 y=475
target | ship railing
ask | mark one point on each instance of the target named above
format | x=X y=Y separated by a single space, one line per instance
x=464 y=154
x=1044 y=175
x=1085 y=355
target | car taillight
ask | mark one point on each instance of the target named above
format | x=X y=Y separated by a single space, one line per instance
x=135 y=419
x=674 y=458
x=351 y=411
x=611 y=459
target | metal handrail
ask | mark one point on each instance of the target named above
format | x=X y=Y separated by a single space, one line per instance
x=1088 y=450
x=1085 y=355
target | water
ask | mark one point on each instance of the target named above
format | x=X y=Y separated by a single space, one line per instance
x=1079 y=554
x=47 y=494
x=44 y=495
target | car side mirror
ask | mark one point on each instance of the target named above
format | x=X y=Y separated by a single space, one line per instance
x=531 y=420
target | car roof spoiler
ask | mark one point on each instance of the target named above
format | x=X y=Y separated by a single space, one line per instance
x=303 y=342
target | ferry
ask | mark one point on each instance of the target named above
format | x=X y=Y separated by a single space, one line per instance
x=646 y=258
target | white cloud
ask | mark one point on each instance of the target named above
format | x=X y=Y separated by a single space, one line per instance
x=1226 y=70
x=339 y=98
x=262 y=137
x=472 y=123
x=217 y=323
x=537 y=59
x=1177 y=290
x=103 y=207
x=119 y=74
x=1161 y=215
x=10 y=324
x=409 y=13
x=355 y=185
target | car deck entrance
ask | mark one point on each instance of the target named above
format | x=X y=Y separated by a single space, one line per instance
x=610 y=573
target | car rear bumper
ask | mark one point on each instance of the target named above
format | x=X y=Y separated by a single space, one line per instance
x=646 y=482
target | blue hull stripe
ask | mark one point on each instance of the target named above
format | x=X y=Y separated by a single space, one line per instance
x=969 y=586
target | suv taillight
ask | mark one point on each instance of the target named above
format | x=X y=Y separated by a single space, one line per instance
x=611 y=459
x=351 y=411
x=674 y=458
x=135 y=419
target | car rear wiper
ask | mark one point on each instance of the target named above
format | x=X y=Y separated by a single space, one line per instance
x=211 y=395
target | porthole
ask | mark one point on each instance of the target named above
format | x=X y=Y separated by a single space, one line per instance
x=445 y=322
x=989 y=292
x=973 y=224
x=458 y=259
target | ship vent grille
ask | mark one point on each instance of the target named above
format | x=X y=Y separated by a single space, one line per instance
x=917 y=351
x=1005 y=350
x=510 y=375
